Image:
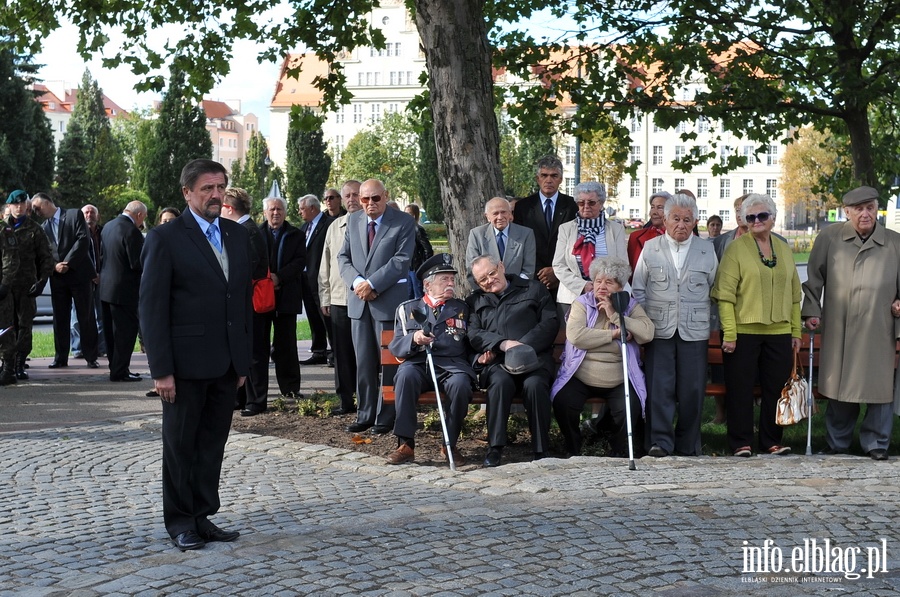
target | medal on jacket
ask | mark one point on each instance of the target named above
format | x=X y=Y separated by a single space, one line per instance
x=456 y=328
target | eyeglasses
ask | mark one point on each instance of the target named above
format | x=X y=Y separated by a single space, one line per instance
x=373 y=199
x=330 y=197
x=762 y=216
x=491 y=275
x=588 y=203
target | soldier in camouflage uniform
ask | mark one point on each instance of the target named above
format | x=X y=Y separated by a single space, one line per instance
x=27 y=263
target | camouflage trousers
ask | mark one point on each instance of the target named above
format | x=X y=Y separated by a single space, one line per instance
x=17 y=310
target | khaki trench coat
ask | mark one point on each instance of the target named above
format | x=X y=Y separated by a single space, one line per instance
x=850 y=288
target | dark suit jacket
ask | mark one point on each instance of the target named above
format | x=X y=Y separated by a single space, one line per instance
x=120 y=281
x=287 y=259
x=386 y=266
x=530 y=212
x=259 y=251
x=314 y=249
x=195 y=323
x=73 y=247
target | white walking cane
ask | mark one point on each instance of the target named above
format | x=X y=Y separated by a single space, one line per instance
x=421 y=316
x=620 y=302
x=809 y=398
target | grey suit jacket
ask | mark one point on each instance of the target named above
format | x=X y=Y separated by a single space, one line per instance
x=518 y=258
x=386 y=266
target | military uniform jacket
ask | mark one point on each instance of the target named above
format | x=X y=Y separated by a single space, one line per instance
x=450 y=350
x=27 y=259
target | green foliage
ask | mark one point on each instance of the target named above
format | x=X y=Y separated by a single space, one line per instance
x=179 y=135
x=429 y=186
x=71 y=170
x=387 y=151
x=26 y=141
x=251 y=174
x=308 y=160
x=114 y=199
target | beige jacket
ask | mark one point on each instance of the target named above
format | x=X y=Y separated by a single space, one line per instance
x=332 y=290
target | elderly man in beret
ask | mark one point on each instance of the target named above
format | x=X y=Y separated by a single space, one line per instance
x=444 y=330
x=27 y=264
x=513 y=325
x=851 y=295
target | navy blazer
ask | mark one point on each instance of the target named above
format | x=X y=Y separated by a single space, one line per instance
x=195 y=323
x=73 y=247
x=121 y=278
x=529 y=212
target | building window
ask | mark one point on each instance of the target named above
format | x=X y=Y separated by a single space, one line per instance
x=657 y=185
x=657 y=155
x=569 y=184
x=679 y=152
x=397 y=49
x=635 y=188
x=772 y=188
x=724 y=188
x=634 y=154
x=570 y=155
x=702 y=125
x=724 y=152
x=634 y=214
x=701 y=214
x=681 y=128
x=377 y=77
x=409 y=77
x=679 y=184
x=392 y=108
x=393 y=78
x=747 y=187
x=772 y=155
x=339 y=115
x=748 y=153
x=725 y=214
x=357 y=113
x=702 y=190
x=376 y=112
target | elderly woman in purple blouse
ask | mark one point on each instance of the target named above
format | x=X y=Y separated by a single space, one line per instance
x=592 y=361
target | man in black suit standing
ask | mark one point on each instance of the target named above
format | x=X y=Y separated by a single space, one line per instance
x=287 y=256
x=120 y=286
x=374 y=263
x=251 y=397
x=314 y=229
x=543 y=212
x=195 y=304
x=72 y=279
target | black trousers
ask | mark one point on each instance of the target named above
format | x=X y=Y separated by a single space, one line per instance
x=120 y=326
x=344 y=358
x=321 y=331
x=409 y=382
x=770 y=358
x=535 y=390
x=62 y=296
x=568 y=404
x=194 y=431
x=283 y=350
x=254 y=392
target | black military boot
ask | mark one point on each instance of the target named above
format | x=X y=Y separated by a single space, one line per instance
x=20 y=367
x=7 y=374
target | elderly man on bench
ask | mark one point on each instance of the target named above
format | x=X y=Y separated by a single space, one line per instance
x=444 y=329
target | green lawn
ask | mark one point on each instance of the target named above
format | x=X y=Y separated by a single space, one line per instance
x=43 y=341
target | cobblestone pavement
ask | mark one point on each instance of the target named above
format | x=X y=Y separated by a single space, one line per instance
x=81 y=516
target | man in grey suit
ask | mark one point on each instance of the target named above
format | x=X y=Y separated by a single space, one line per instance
x=374 y=263
x=516 y=242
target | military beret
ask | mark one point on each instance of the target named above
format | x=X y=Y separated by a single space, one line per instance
x=520 y=359
x=17 y=196
x=442 y=263
x=860 y=195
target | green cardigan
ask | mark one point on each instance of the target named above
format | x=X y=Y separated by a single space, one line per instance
x=753 y=298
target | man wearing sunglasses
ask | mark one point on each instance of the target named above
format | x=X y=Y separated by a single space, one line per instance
x=374 y=263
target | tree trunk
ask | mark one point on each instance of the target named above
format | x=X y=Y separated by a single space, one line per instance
x=458 y=56
x=857 y=120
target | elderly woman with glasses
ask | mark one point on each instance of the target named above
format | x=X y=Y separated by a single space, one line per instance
x=588 y=236
x=758 y=292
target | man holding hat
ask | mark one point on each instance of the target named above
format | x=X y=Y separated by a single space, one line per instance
x=447 y=319
x=27 y=263
x=851 y=294
x=513 y=325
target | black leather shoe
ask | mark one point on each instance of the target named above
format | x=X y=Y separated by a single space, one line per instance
x=382 y=429
x=59 y=364
x=832 y=452
x=657 y=452
x=878 y=454
x=358 y=427
x=93 y=365
x=493 y=458
x=251 y=412
x=214 y=533
x=188 y=540
x=316 y=359
x=126 y=378
x=342 y=411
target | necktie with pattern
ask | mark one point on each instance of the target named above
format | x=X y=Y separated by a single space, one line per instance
x=212 y=233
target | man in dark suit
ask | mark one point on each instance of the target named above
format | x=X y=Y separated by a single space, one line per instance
x=516 y=241
x=120 y=286
x=314 y=230
x=543 y=212
x=95 y=229
x=507 y=312
x=287 y=257
x=251 y=397
x=374 y=263
x=72 y=279
x=195 y=304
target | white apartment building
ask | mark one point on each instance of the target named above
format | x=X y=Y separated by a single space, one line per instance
x=386 y=80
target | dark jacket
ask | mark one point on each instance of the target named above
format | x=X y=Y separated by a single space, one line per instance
x=120 y=281
x=73 y=247
x=530 y=212
x=287 y=258
x=314 y=249
x=525 y=312
x=450 y=350
x=259 y=252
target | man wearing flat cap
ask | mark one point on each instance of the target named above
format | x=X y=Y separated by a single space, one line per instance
x=507 y=312
x=27 y=264
x=444 y=330
x=851 y=297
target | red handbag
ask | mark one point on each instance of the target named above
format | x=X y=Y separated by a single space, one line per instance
x=264 y=294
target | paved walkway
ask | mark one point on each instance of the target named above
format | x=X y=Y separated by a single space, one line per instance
x=81 y=515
